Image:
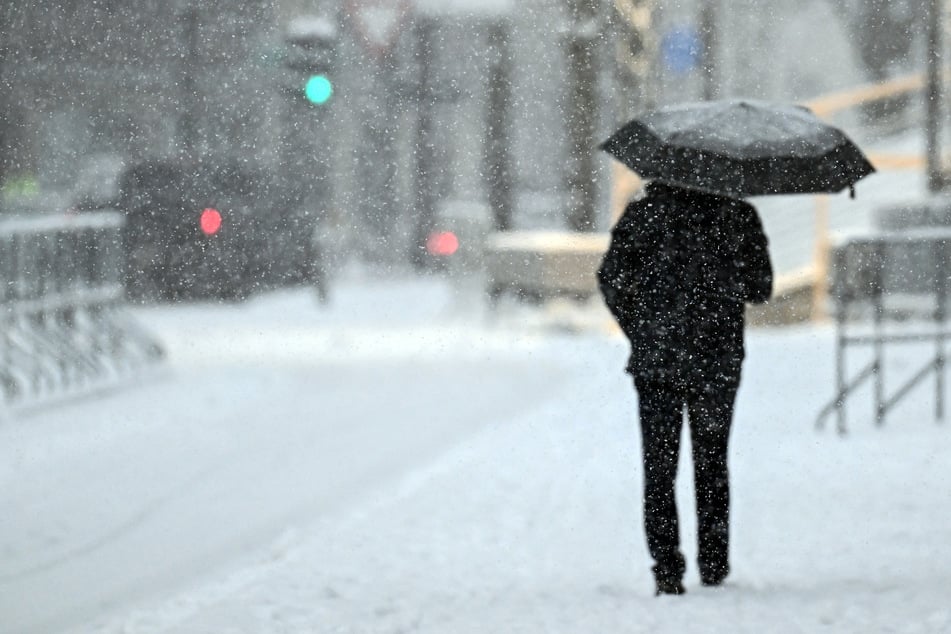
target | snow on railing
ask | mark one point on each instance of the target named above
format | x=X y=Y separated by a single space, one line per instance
x=63 y=325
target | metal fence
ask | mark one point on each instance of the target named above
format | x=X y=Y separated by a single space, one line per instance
x=888 y=290
x=64 y=328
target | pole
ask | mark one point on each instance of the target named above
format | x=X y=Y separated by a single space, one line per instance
x=935 y=92
x=425 y=130
x=187 y=123
x=820 y=283
x=6 y=126
x=635 y=49
x=387 y=158
x=378 y=161
x=708 y=35
x=498 y=170
x=581 y=111
x=634 y=52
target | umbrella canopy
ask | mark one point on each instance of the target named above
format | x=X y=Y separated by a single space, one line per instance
x=740 y=148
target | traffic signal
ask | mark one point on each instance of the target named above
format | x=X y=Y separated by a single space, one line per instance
x=210 y=221
x=310 y=50
x=318 y=89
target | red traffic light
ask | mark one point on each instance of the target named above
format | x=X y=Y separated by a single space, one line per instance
x=210 y=221
x=442 y=243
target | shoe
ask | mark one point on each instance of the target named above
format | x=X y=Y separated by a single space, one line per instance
x=669 y=586
x=712 y=582
x=668 y=575
x=714 y=578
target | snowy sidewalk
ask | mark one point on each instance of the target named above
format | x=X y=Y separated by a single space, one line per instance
x=534 y=524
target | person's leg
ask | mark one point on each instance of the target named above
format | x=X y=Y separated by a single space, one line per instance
x=711 y=415
x=661 y=419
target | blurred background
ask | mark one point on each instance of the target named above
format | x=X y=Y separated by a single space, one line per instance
x=488 y=110
x=281 y=280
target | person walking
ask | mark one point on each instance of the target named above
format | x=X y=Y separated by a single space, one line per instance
x=680 y=267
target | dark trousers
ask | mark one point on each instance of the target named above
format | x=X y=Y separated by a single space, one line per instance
x=710 y=413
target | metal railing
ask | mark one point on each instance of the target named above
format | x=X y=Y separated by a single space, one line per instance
x=63 y=324
x=889 y=289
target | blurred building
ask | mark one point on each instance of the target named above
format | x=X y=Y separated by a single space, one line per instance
x=116 y=78
x=96 y=84
x=416 y=120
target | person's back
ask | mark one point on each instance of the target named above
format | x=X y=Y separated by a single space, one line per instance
x=680 y=267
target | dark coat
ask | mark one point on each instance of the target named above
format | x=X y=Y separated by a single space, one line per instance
x=680 y=266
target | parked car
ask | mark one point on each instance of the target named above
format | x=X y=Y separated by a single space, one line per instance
x=214 y=230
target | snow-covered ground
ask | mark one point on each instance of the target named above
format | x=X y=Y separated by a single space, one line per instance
x=399 y=462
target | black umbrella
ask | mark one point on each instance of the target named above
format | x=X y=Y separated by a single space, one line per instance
x=740 y=148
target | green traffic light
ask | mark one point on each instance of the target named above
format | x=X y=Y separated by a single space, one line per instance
x=318 y=89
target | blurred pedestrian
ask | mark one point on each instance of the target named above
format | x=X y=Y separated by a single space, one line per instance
x=679 y=269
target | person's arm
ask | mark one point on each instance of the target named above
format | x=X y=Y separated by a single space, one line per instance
x=619 y=271
x=755 y=263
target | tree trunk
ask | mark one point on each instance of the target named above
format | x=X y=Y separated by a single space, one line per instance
x=498 y=171
x=581 y=112
x=425 y=170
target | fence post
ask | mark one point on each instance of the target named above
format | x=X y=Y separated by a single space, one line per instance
x=939 y=258
x=820 y=285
